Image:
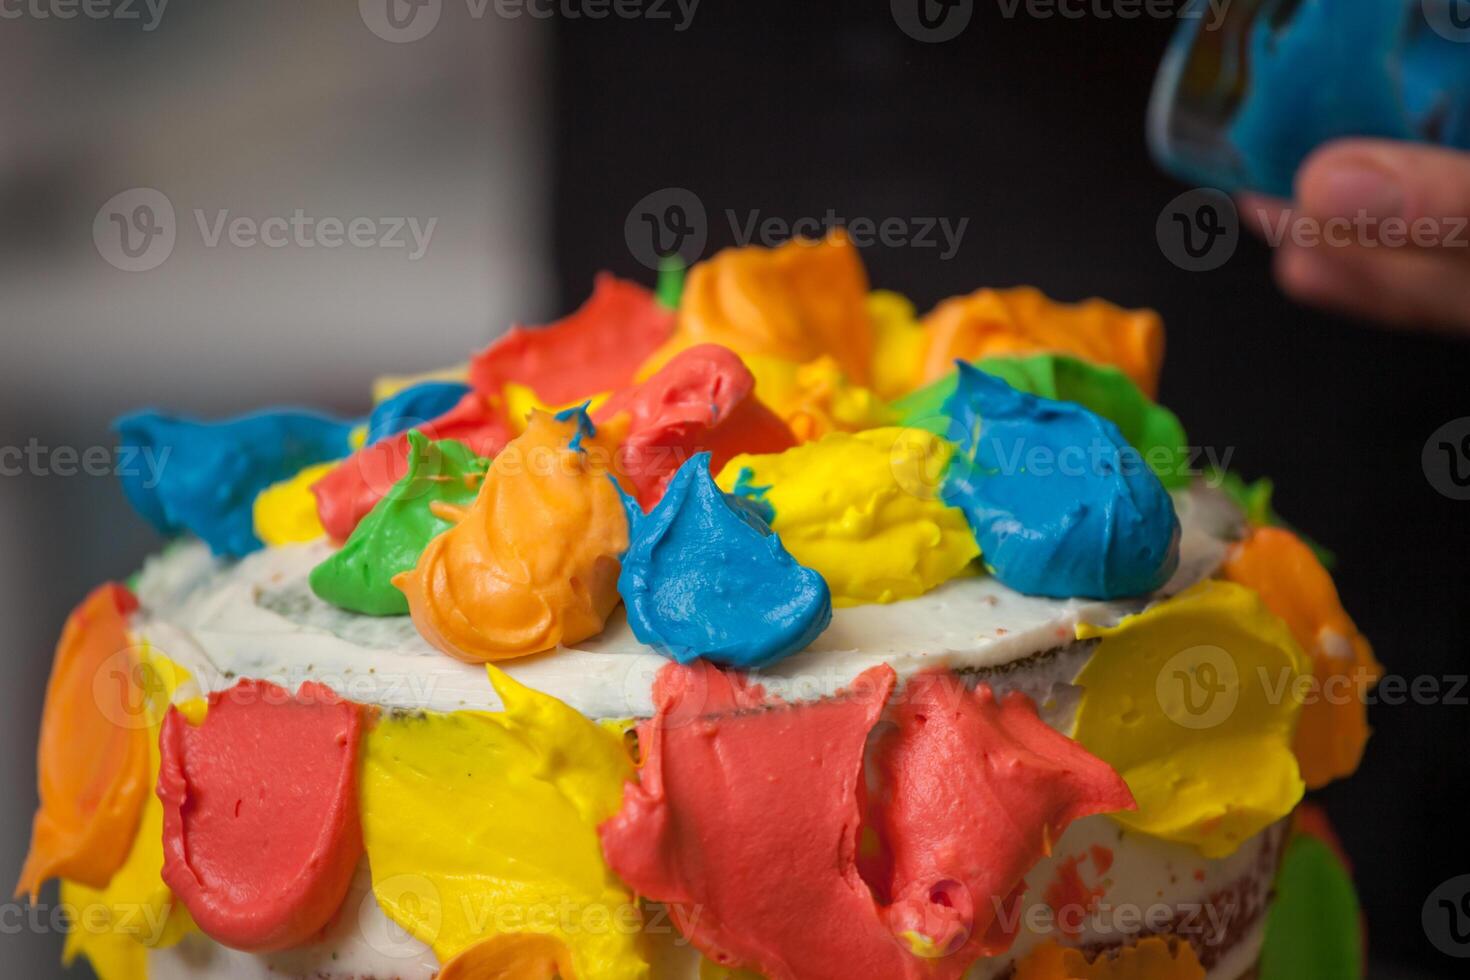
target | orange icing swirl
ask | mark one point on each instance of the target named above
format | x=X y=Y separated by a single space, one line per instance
x=534 y=561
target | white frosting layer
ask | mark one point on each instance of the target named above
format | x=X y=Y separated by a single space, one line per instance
x=258 y=618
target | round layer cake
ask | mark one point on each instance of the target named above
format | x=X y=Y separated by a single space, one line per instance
x=730 y=630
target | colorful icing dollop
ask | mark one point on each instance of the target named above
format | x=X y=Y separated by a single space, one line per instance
x=1192 y=702
x=974 y=790
x=417 y=404
x=285 y=513
x=533 y=562
x=1103 y=390
x=990 y=322
x=796 y=302
x=442 y=476
x=208 y=473
x=484 y=824
x=863 y=510
x=705 y=577
x=596 y=349
x=136 y=911
x=260 y=821
x=1333 y=728
x=1059 y=502
x=702 y=400
x=898 y=344
x=346 y=494
x=815 y=398
x=1151 y=958
x=1314 y=928
x=512 y=956
x=92 y=763
x=747 y=815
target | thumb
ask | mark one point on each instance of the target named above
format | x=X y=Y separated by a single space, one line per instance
x=1427 y=188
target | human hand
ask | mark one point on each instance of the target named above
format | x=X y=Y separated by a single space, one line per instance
x=1378 y=229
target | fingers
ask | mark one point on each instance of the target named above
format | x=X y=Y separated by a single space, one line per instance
x=1382 y=180
x=1403 y=287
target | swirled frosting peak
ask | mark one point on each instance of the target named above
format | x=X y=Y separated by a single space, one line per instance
x=534 y=561
x=1060 y=504
x=705 y=577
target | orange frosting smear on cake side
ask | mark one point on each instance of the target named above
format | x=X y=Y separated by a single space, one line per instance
x=1291 y=581
x=795 y=303
x=534 y=561
x=990 y=322
x=1149 y=959
x=93 y=757
x=519 y=956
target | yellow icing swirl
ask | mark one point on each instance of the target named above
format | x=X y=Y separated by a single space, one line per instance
x=479 y=825
x=1192 y=702
x=285 y=512
x=863 y=510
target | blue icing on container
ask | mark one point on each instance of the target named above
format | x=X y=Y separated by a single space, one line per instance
x=413 y=407
x=705 y=577
x=207 y=474
x=1060 y=504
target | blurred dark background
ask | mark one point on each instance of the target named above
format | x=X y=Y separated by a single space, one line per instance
x=530 y=140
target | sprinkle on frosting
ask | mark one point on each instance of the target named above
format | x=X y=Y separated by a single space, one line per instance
x=1151 y=958
x=416 y=405
x=481 y=824
x=1060 y=504
x=92 y=765
x=359 y=577
x=596 y=349
x=208 y=473
x=974 y=791
x=260 y=823
x=705 y=577
x=1292 y=583
x=533 y=561
x=989 y=322
x=796 y=302
x=863 y=510
x=285 y=512
x=345 y=495
x=1192 y=702
x=1149 y=427
x=136 y=911
x=747 y=813
x=700 y=401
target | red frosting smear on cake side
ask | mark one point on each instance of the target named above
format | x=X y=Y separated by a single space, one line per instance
x=596 y=349
x=703 y=400
x=346 y=494
x=974 y=790
x=748 y=815
x=260 y=826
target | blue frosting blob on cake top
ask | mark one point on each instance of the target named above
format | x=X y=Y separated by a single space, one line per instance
x=414 y=407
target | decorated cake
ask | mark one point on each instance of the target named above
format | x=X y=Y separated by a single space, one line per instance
x=749 y=625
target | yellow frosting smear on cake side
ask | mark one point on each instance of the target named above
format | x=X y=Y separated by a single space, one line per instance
x=115 y=926
x=863 y=510
x=285 y=512
x=1193 y=702
x=481 y=824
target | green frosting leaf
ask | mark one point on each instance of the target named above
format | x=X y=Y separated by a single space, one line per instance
x=394 y=533
x=1254 y=499
x=1314 y=931
x=670 y=282
x=1149 y=427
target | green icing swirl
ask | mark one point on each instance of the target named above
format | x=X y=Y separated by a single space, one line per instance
x=389 y=540
x=1150 y=428
x=1313 y=929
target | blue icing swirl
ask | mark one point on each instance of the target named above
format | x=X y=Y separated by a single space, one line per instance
x=1060 y=504
x=705 y=577
x=207 y=474
x=413 y=407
